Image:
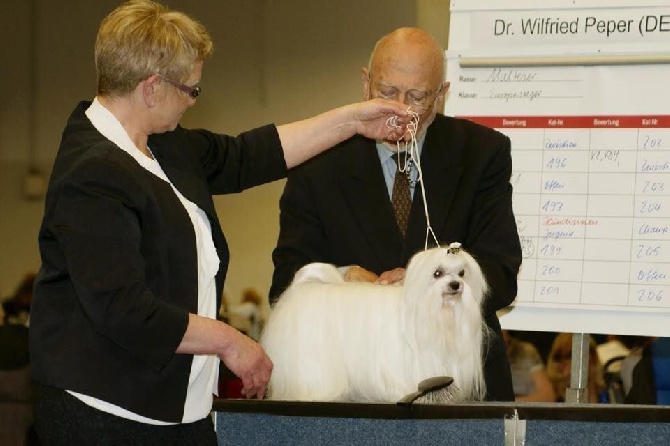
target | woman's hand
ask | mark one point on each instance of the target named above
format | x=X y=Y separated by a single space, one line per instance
x=241 y=354
x=377 y=119
x=247 y=359
x=381 y=119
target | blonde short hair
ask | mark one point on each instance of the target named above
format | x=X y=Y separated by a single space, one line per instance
x=140 y=38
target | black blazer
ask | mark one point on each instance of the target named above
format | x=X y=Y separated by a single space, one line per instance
x=119 y=268
x=335 y=209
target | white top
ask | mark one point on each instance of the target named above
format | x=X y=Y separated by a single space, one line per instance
x=612 y=349
x=203 y=380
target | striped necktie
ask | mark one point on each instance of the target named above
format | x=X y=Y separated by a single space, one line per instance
x=400 y=197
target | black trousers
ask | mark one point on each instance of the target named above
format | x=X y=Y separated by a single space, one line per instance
x=63 y=420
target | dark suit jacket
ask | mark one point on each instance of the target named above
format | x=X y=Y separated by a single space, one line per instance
x=335 y=209
x=119 y=267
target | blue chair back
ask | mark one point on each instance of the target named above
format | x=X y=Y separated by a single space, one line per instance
x=660 y=353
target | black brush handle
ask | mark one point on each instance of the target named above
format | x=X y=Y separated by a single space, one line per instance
x=426 y=386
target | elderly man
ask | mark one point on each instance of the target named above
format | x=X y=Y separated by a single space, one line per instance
x=337 y=207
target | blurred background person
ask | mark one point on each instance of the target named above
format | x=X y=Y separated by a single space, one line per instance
x=645 y=372
x=17 y=307
x=560 y=364
x=247 y=315
x=529 y=375
x=16 y=407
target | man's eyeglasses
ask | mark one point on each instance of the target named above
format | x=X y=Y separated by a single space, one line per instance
x=421 y=101
x=193 y=92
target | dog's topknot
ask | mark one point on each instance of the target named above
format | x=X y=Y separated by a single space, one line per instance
x=454 y=248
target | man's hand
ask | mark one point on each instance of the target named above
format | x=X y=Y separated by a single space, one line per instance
x=358 y=274
x=391 y=277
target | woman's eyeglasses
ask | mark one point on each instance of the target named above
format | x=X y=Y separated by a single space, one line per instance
x=193 y=92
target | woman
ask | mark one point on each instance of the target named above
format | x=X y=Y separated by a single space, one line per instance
x=559 y=367
x=124 y=338
x=529 y=376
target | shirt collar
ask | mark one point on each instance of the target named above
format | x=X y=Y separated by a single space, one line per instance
x=106 y=123
x=385 y=154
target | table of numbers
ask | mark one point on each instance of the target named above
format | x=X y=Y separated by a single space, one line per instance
x=592 y=203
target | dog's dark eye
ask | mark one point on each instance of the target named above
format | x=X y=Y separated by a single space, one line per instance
x=461 y=273
x=438 y=273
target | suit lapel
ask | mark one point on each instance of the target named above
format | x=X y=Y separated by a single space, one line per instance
x=365 y=190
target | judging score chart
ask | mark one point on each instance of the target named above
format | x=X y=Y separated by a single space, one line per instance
x=592 y=202
x=580 y=88
x=591 y=178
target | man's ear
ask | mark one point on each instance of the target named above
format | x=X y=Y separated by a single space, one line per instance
x=365 y=77
x=439 y=101
x=443 y=89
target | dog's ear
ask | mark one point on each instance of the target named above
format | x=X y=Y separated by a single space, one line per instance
x=420 y=273
x=419 y=268
x=474 y=277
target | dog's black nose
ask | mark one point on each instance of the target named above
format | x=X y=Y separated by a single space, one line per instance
x=454 y=285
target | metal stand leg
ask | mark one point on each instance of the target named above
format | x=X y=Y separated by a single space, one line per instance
x=578 y=391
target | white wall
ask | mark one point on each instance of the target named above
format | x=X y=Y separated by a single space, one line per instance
x=274 y=61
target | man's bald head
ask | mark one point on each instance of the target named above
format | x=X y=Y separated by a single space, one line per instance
x=407 y=65
x=411 y=49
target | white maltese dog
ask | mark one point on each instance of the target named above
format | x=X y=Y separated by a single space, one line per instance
x=332 y=340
